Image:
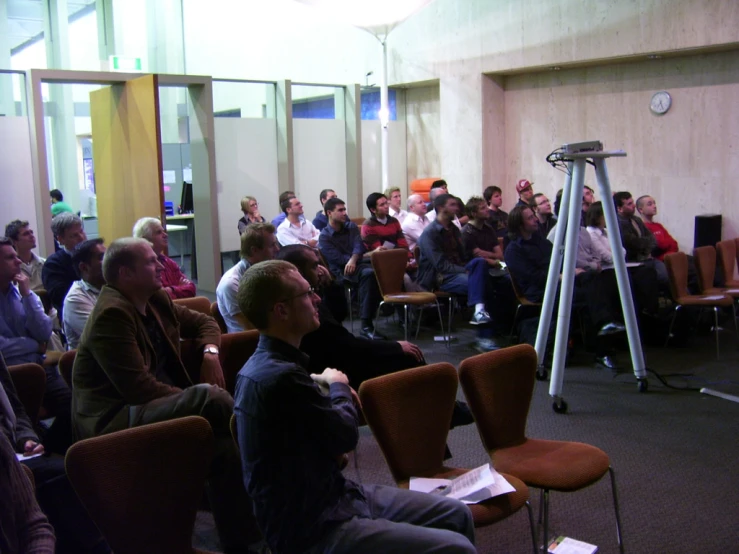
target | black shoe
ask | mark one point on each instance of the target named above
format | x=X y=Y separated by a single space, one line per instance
x=611 y=329
x=461 y=415
x=372 y=334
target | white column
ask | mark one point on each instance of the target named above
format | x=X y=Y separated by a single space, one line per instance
x=348 y=108
x=7 y=102
x=284 y=116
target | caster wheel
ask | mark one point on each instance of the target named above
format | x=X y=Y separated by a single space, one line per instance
x=560 y=407
x=542 y=374
x=643 y=385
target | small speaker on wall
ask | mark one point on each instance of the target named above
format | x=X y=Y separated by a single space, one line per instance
x=707 y=230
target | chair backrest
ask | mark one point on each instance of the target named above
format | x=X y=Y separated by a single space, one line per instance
x=66 y=362
x=389 y=267
x=705 y=265
x=142 y=486
x=236 y=349
x=727 y=256
x=197 y=304
x=216 y=313
x=29 y=381
x=358 y=221
x=498 y=386
x=409 y=413
x=677 y=272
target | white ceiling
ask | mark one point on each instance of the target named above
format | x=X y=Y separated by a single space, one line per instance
x=26 y=18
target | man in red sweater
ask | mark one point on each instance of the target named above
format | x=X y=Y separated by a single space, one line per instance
x=647 y=207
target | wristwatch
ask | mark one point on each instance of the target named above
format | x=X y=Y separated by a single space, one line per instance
x=211 y=350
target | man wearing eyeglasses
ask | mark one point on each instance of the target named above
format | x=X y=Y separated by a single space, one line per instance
x=293 y=427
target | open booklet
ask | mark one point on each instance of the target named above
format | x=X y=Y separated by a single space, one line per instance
x=472 y=487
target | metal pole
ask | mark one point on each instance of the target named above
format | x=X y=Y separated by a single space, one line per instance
x=619 y=264
x=572 y=215
x=384 y=117
x=555 y=265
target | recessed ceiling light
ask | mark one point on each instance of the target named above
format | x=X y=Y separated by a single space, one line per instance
x=555 y=68
x=654 y=56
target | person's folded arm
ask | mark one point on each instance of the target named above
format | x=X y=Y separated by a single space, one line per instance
x=202 y=328
x=38 y=324
x=335 y=258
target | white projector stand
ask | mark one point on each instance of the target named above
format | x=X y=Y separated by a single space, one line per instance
x=576 y=156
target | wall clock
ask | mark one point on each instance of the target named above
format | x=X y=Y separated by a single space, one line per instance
x=661 y=102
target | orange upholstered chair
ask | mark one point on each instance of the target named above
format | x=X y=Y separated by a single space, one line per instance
x=727 y=255
x=66 y=363
x=142 y=486
x=197 y=304
x=705 y=265
x=29 y=381
x=236 y=349
x=218 y=316
x=677 y=271
x=422 y=186
x=498 y=386
x=409 y=413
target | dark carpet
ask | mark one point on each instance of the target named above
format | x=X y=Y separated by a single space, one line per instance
x=674 y=451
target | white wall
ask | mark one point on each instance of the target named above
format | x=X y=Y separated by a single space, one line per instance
x=246 y=164
x=16 y=173
x=319 y=147
x=372 y=158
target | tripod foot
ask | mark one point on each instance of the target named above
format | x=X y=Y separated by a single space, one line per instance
x=559 y=406
x=643 y=385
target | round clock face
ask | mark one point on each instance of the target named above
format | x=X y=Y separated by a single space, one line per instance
x=661 y=102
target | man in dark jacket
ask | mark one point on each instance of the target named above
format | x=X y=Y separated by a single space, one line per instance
x=58 y=273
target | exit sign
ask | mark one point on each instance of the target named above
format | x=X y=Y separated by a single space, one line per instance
x=123 y=63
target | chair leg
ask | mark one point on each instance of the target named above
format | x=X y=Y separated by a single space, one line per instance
x=441 y=322
x=546 y=519
x=541 y=503
x=419 y=313
x=377 y=314
x=672 y=323
x=405 y=327
x=349 y=305
x=715 y=328
x=615 y=507
x=515 y=320
x=533 y=527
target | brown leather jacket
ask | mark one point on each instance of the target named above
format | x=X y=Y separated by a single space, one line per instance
x=115 y=363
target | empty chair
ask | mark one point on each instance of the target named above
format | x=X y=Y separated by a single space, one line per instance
x=143 y=485
x=727 y=255
x=389 y=267
x=498 y=386
x=29 y=381
x=677 y=271
x=236 y=349
x=522 y=302
x=409 y=413
x=705 y=265
x=197 y=303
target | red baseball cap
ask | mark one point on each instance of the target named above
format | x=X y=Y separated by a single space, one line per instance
x=522 y=185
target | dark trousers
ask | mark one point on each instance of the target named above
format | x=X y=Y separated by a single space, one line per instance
x=58 y=403
x=369 y=292
x=75 y=531
x=232 y=508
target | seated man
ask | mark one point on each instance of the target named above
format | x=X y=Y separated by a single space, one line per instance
x=433 y=195
x=444 y=266
x=58 y=273
x=258 y=243
x=415 y=222
x=296 y=229
x=75 y=531
x=58 y=205
x=393 y=196
x=82 y=297
x=332 y=345
x=543 y=210
x=128 y=372
x=279 y=218
x=665 y=244
x=320 y=221
x=25 y=331
x=525 y=190
x=381 y=228
x=479 y=237
x=24 y=242
x=636 y=238
x=496 y=216
x=174 y=281
x=349 y=260
x=291 y=435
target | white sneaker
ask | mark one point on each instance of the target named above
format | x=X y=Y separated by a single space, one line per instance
x=480 y=318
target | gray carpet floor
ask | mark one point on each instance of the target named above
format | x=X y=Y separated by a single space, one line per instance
x=674 y=451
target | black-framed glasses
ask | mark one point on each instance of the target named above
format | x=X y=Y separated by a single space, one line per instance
x=309 y=291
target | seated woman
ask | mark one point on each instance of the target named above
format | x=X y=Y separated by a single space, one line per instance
x=173 y=280
x=596 y=226
x=250 y=207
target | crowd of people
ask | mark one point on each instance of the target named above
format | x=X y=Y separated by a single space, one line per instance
x=295 y=401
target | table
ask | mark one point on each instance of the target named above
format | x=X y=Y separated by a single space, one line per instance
x=172 y=228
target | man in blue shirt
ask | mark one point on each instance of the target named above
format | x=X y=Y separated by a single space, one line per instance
x=342 y=247
x=320 y=221
x=293 y=429
x=279 y=218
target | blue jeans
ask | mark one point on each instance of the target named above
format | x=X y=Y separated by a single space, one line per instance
x=403 y=520
x=473 y=283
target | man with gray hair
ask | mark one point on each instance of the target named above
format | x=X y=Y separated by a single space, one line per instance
x=415 y=222
x=58 y=273
x=129 y=372
x=174 y=281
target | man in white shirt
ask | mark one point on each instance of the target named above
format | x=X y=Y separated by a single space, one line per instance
x=24 y=242
x=415 y=222
x=393 y=195
x=431 y=216
x=87 y=258
x=258 y=243
x=296 y=229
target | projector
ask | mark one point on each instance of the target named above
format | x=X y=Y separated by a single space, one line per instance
x=580 y=147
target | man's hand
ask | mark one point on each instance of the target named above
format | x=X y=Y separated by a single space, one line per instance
x=410 y=349
x=42 y=347
x=579 y=271
x=492 y=262
x=24 y=285
x=31 y=448
x=313 y=243
x=329 y=376
x=324 y=275
x=350 y=267
x=211 y=371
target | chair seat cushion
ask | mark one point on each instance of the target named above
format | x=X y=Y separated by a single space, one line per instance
x=417 y=298
x=494 y=509
x=705 y=300
x=554 y=465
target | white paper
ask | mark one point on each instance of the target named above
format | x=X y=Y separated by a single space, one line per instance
x=628 y=264
x=566 y=545
x=387 y=245
x=169 y=177
x=424 y=484
x=713 y=297
x=22 y=457
x=475 y=486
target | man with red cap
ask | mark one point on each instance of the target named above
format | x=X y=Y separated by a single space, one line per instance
x=525 y=192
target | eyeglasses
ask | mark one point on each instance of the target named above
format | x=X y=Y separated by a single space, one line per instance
x=309 y=291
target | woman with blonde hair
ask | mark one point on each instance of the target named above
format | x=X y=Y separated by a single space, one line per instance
x=250 y=207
